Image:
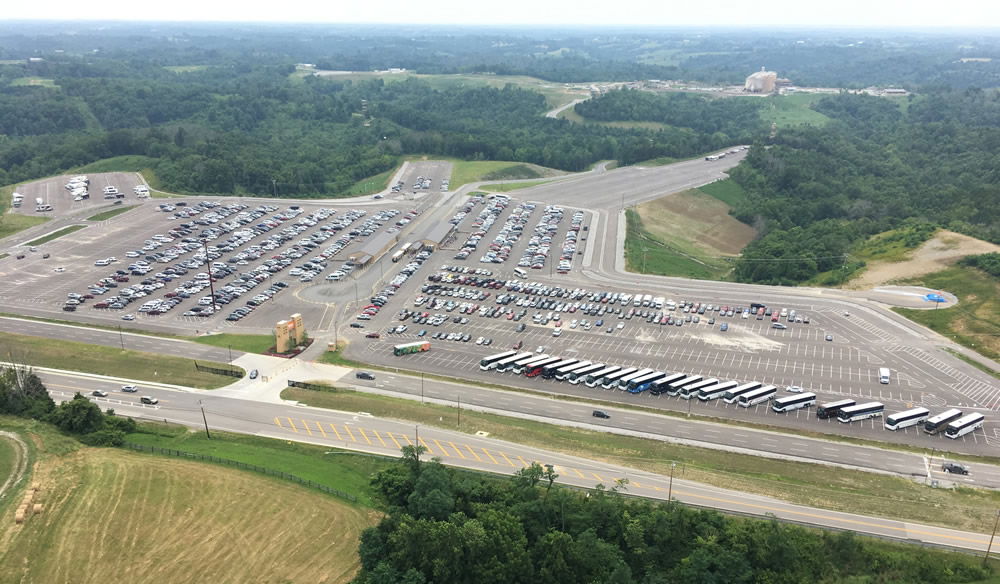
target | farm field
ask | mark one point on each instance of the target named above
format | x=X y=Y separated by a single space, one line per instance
x=153 y=519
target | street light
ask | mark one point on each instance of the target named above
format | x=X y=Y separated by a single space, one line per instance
x=990 y=546
x=670 y=487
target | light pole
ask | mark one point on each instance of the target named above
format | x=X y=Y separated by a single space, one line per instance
x=421 y=387
x=990 y=546
x=670 y=487
x=230 y=354
x=121 y=338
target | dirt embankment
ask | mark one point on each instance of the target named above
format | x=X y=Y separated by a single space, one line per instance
x=937 y=253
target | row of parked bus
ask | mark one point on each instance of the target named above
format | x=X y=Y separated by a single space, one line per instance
x=638 y=380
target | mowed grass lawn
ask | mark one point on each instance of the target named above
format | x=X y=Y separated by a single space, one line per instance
x=101 y=360
x=11 y=223
x=116 y=516
x=110 y=213
x=793 y=109
x=975 y=320
x=56 y=234
x=245 y=343
x=468 y=171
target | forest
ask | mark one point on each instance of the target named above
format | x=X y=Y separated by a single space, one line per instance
x=445 y=526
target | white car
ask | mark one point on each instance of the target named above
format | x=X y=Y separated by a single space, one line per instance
x=59 y=270
x=130 y=388
x=128 y=317
x=794 y=389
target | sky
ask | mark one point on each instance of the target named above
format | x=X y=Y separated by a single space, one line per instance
x=751 y=13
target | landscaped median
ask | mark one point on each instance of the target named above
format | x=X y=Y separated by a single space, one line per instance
x=56 y=234
x=110 y=361
x=803 y=483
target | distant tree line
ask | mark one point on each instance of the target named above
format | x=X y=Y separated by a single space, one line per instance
x=445 y=527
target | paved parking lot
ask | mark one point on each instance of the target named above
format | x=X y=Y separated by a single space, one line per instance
x=52 y=191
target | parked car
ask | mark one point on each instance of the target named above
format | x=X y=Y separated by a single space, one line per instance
x=357 y=325
x=829 y=337
x=794 y=389
x=372 y=335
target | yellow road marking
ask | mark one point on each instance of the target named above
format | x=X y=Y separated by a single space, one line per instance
x=398 y=445
x=522 y=461
x=635 y=484
x=655 y=488
x=380 y=439
x=305 y=425
x=334 y=428
x=278 y=422
x=407 y=439
x=456 y=449
x=349 y=433
x=365 y=436
x=507 y=459
x=578 y=473
x=441 y=448
x=473 y=452
x=424 y=444
x=597 y=476
x=292 y=424
x=322 y=431
x=487 y=453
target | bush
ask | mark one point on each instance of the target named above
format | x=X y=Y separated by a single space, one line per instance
x=104 y=437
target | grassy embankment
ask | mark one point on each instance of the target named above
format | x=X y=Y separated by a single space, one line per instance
x=175 y=520
x=508 y=187
x=803 y=483
x=793 y=109
x=469 y=171
x=372 y=184
x=245 y=343
x=34 y=82
x=104 y=216
x=56 y=234
x=111 y=361
x=975 y=321
x=687 y=234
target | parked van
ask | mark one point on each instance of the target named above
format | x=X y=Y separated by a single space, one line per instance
x=520 y=273
x=884 y=375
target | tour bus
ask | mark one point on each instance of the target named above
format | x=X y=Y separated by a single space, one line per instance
x=757 y=396
x=624 y=381
x=830 y=410
x=690 y=391
x=550 y=370
x=793 y=402
x=523 y=365
x=397 y=256
x=662 y=385
x=611 y=381
x=565 y=372
x=883 y=375
x=905 y=419
x=536 y=368
x=490 y=362
x=716 y=391
x=733 y=395
x=594 y=379
x=935 y=424
x=675 y=387
x=964 y=425
x=508 y=362
x=518 y=367
x=410 y=348
x=860 y=412
x=520 y=273
x=581 y=374
x=642 y=383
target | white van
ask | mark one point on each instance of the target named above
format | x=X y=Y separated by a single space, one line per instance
x=520 y=273
x=884 y=375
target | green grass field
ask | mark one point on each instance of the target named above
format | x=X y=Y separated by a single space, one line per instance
x=808 y=484
x=56 y=234
x=100 y=360
x=11 y=223
x=727 y=191
x=245 y=343
x=129 y=163
x=110 y=213
x=345 y=472
x=372 y=184
x=6 y=459
x=508 y=187
x=468 y=171
x=975 y=321
x=34 y=82
x=793 y=109
x=177 y=521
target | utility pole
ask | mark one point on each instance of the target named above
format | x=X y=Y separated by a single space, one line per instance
x=205 y=419
x=670 y=487
x=990 y=546
x=121 y=338
x=211 y=282
x=421 y=387
x=230 y=354
x=459 y=411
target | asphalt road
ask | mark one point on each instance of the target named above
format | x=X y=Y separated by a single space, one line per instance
x=362 y=432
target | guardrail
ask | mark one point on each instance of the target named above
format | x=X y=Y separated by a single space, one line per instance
x=244 y=466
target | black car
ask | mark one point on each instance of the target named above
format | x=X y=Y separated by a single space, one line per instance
x=357 y=325
x=601 y=414
x=364 y=375
x=954 y=468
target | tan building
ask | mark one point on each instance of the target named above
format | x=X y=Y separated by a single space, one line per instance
x=761 y=82
x=290 y=333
